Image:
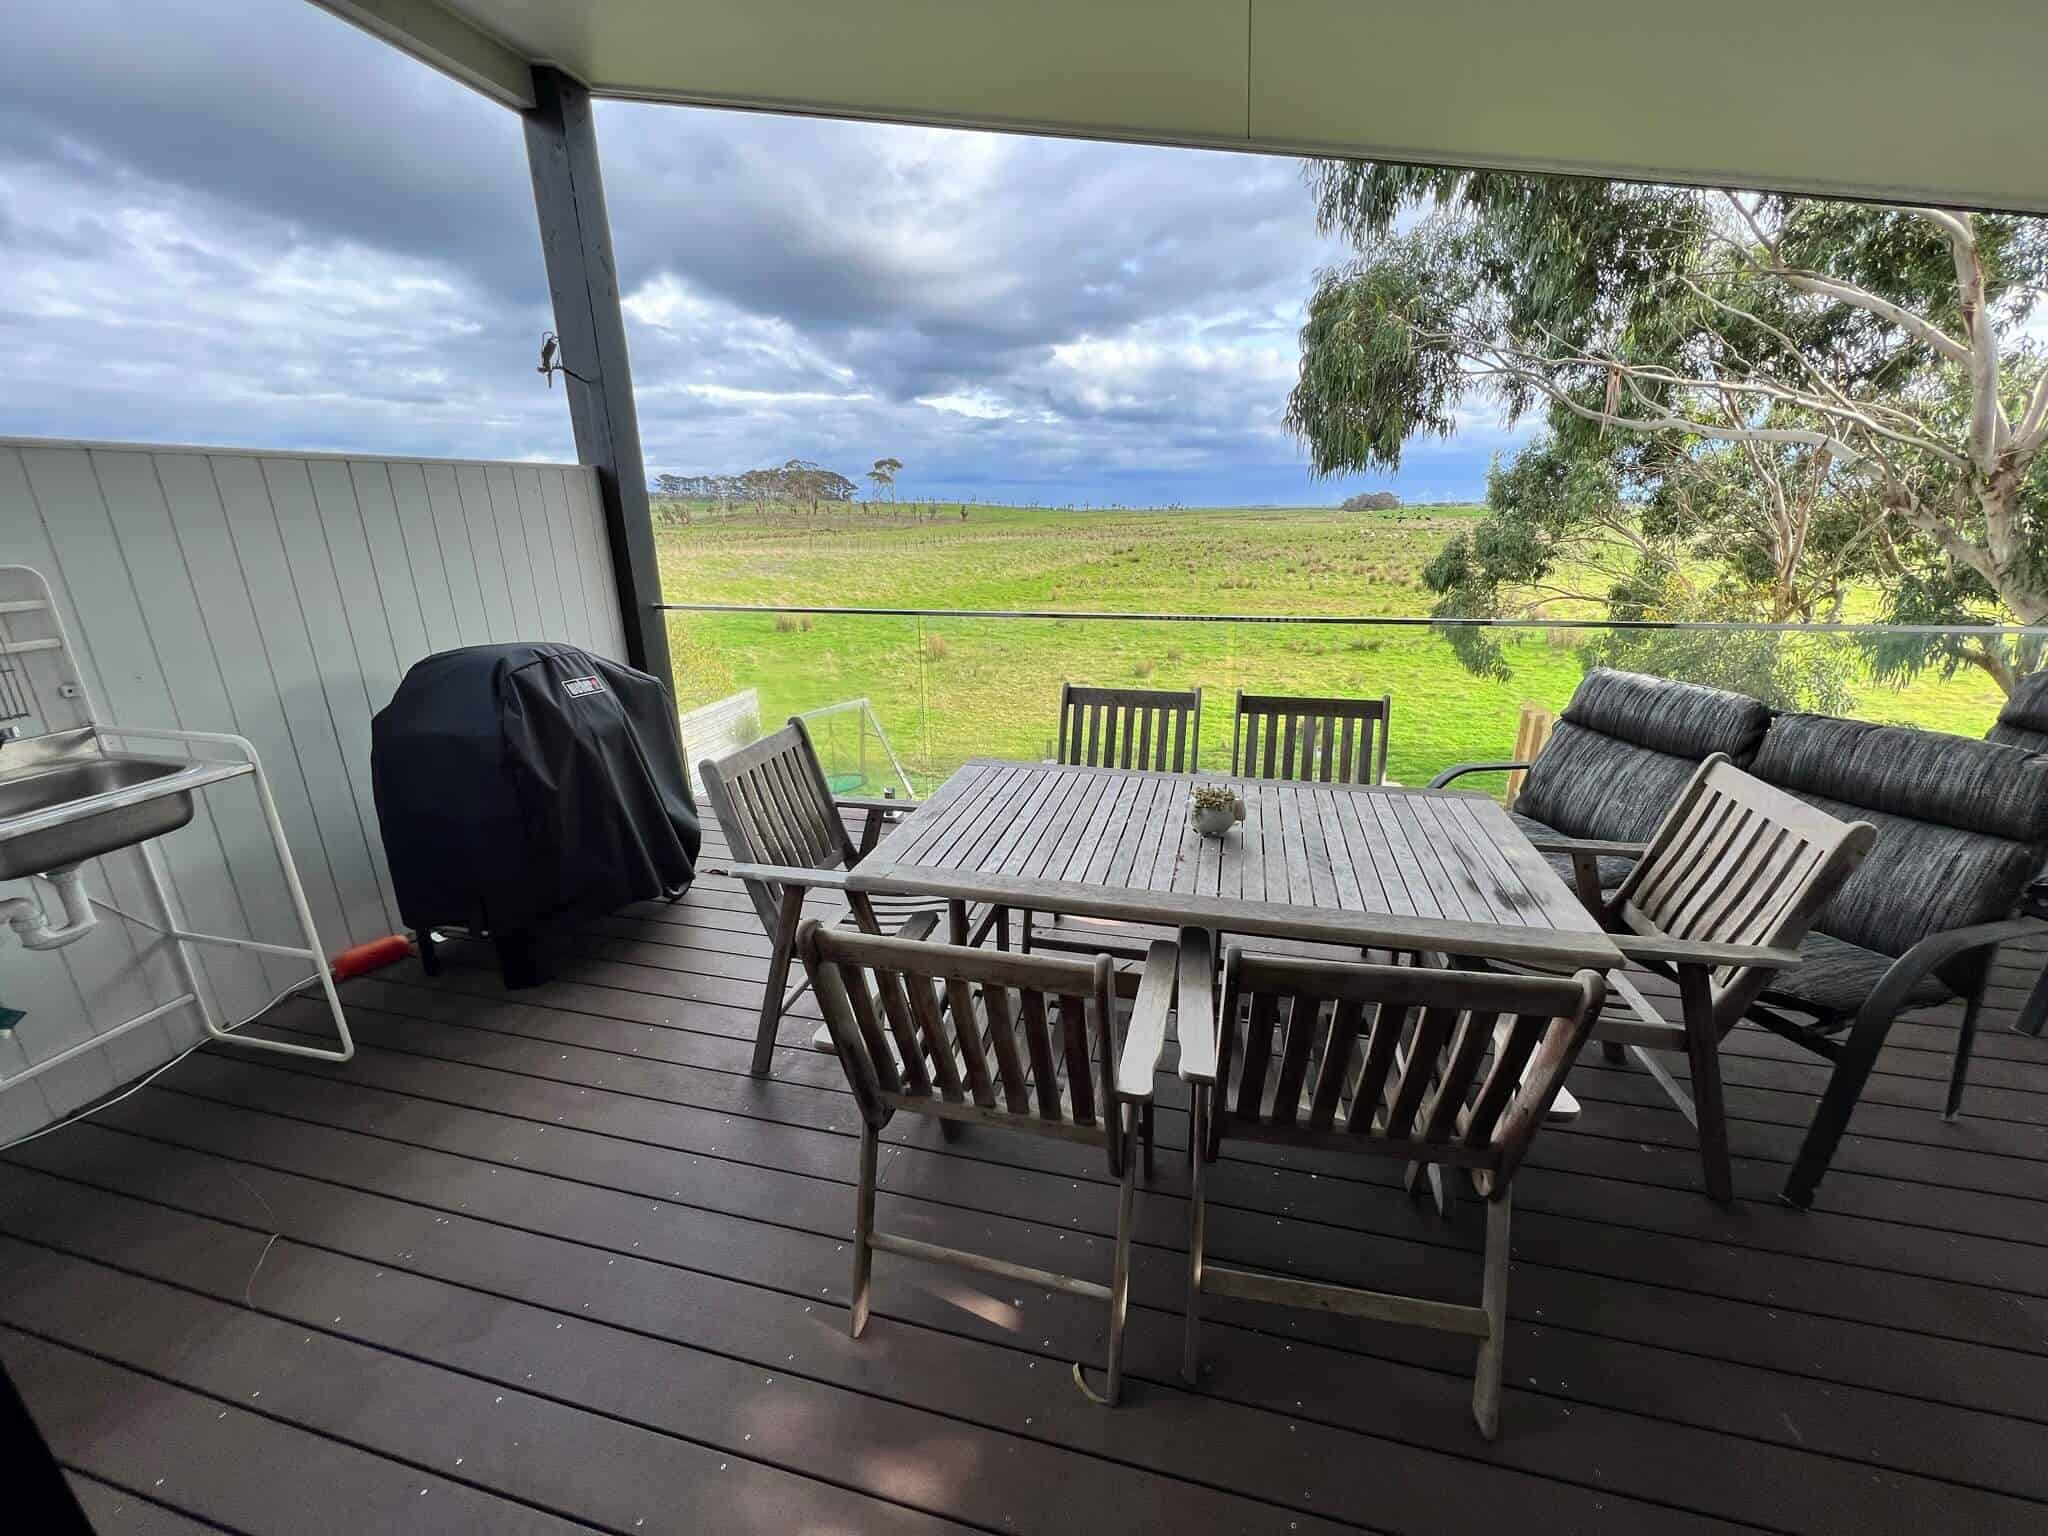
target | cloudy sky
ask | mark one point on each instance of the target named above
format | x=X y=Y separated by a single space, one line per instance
x=243 y=222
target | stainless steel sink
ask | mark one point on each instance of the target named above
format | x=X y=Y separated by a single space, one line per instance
x=38 y=789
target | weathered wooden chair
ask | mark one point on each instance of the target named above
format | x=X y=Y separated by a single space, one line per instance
x=1283 y=736
x=1151 y=728
x=1429 y=1067
x=1027 y=1042
x=1736 y=864
x=787 y=835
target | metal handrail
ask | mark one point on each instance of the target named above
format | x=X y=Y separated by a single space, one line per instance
x=1724 y=626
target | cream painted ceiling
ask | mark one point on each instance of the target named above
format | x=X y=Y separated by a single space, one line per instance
x=1915 y=100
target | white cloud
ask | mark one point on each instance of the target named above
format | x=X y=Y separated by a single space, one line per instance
x=977 y=403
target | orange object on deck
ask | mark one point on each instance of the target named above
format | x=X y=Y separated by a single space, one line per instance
x=373 y=956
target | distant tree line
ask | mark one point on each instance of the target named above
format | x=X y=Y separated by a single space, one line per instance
x=1372 y=501
x=795 y=486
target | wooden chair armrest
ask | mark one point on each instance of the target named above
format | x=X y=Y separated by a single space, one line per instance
x=1459 y=770
x=1145 y=1034
x=918 y=926
x=785 y=874
x=1596 y=847
x=876 y=813
x=1648 y=946
x=1195 y=1025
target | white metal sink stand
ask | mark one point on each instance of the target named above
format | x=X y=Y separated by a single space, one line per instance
x=47 y=681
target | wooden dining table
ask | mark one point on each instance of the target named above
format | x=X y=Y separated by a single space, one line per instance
x=1370 y=867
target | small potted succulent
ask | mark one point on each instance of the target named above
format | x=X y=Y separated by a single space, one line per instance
x=1214 y=809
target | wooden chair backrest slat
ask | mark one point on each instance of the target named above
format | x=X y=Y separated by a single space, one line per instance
x=774 y=807
x=1002 y=1030
x=1130 y=728
x=1407 y=1061
x=1738 y=861
x=1028 y=1039
x=1045 y=1071
x=1282 y=736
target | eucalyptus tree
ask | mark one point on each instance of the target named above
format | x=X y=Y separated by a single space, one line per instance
x=1754 y=404
x=883 y=476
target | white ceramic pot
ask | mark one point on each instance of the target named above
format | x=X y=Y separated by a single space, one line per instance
x=1216 y=820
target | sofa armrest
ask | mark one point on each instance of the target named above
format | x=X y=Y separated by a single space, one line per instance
x=1937 y=949
x=1459 y=770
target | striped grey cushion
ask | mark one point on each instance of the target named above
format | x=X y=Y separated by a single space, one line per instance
x=1962 y=826
x=2024 y=720
x=1977 y=786
x=1680 y=719
x=1834 y=978
x=1588 y=785
x=1624 y=748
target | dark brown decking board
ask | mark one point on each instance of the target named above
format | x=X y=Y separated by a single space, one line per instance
x=1876 y=1364
x=685 y=1098
x=115 y=1511
x=599 y=1160
x=249 y=1471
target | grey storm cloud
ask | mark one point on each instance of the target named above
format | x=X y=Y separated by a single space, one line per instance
x=243 y=221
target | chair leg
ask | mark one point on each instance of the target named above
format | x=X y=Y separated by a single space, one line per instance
x=1120 y=1274
x=1024 y=933
x=1703 y=1050
x=1145 y=1119
x=1190 y=1362
x=1831 y=1119
x=2034 y=1016
x=778 y=975
x=863 y=1229
x=1002 y=927
x=1966 y=1037
x=1494 y=1301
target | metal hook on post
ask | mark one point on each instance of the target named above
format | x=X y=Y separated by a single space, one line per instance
x=550 y=349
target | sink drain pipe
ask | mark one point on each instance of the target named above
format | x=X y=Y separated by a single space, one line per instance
x=30 y=918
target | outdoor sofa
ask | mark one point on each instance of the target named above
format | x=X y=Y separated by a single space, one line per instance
x=1962 y=833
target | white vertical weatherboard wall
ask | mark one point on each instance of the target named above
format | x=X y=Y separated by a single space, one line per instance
x=279 y=596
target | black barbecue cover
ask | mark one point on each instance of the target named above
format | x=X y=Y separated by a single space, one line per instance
x=517 y=784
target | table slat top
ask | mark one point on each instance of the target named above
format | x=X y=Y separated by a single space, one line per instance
x=1357 y=864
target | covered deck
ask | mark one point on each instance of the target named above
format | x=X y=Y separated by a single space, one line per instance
x=557 y=1262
